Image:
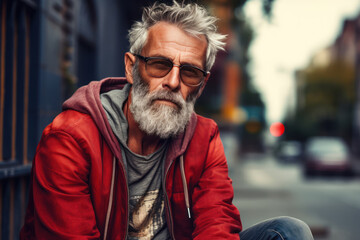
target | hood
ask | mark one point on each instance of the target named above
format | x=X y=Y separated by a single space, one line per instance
x=87 y=100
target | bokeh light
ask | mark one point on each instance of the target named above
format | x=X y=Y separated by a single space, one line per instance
x=277 y=129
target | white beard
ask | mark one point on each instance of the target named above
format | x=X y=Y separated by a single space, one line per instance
x=158 y=119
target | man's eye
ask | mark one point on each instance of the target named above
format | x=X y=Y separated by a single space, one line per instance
x=159 y=64
x=190 y=71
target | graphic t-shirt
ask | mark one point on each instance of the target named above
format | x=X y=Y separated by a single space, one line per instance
x=147 y=213
x=144 y=173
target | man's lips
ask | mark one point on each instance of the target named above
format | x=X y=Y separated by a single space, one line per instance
x=167 y=102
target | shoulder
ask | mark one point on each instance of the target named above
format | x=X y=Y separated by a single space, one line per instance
x=69 y=119
x=205 y=126
x=73 y=123
x=206 y=131
x=72 y=134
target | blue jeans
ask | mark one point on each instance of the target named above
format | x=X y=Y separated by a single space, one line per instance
x=279 y=228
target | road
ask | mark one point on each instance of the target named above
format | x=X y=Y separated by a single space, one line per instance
x=264 y=189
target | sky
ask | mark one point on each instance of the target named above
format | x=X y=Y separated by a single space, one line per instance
x=298 y=29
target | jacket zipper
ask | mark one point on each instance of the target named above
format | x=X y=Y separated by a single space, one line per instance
x=111 y=197
x=168 y=201
x=128 y=201
x=127 y=190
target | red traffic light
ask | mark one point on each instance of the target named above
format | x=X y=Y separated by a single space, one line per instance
x=277 y=129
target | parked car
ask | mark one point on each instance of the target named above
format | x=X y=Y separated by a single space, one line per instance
x=289 y=151
x=325 y=155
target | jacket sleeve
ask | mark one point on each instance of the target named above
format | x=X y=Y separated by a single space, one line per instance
x=215 y=217
x=61 y=197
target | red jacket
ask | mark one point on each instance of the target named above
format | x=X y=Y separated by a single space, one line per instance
x=79 y=188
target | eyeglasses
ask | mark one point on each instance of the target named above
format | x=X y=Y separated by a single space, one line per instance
x=159 y=67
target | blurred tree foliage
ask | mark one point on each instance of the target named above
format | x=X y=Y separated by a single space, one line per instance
x=328 y=98
x=246 y=34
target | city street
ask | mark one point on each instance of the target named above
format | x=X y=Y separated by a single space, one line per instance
x=265 y=189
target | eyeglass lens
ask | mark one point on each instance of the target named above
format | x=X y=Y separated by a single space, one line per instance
x=161 y=67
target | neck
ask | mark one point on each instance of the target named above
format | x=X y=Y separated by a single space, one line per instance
x=138 y=141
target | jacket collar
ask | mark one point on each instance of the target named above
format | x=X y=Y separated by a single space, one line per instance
x=87 y=100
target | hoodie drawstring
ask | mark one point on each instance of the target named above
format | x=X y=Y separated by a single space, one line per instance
x=183 y=178
x=110 y=199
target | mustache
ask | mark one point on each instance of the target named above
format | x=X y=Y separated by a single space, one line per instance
x=168 y=96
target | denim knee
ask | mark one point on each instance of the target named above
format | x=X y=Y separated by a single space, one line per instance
x=290 y=228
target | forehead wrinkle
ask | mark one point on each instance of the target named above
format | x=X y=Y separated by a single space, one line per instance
x=172 y=42
x=181 y=47
x=186 y=53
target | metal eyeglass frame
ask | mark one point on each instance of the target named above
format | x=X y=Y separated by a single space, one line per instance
x=146 y=59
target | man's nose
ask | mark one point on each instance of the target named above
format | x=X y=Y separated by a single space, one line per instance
x=172 y=79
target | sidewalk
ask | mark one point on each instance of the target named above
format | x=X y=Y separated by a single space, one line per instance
x=264 y=189
x=257 y=203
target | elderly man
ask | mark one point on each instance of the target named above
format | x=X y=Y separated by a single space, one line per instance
x=129 y=159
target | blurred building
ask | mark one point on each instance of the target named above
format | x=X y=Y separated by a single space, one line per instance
x=326 y=89
x=221 y=95
x=49 y=48
x=229 y=96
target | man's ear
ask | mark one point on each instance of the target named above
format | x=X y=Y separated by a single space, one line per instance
x=203 y=86
x=129 y=60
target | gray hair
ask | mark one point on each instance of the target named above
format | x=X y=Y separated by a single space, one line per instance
x=192 y=18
